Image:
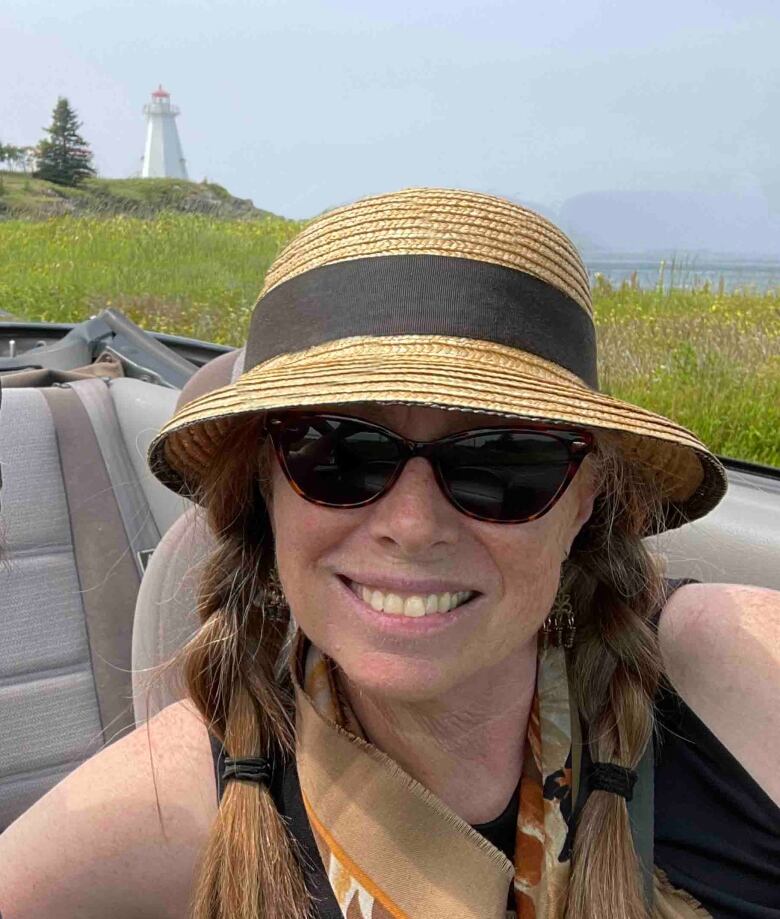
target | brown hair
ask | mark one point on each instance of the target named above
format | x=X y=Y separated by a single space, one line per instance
x=615 y=586
x=235 y=669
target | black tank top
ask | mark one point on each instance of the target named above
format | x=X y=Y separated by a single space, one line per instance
x=717 y=832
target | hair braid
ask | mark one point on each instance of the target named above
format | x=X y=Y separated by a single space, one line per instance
x=615 y=587
x=248 y=869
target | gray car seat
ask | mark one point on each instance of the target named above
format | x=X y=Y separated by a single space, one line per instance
x=80 y=513
x=737 y=543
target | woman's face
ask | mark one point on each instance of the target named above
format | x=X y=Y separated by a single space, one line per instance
x=412 y=541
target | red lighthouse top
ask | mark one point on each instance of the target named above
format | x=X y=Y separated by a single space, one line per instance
x=160 y=93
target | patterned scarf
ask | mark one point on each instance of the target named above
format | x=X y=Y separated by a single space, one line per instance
x=391 y=848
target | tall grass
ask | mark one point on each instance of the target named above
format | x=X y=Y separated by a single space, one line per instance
x=706 y=358
x=709 y=361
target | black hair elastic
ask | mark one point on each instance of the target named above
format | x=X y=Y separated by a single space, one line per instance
x=258 y=769
x=619 y=780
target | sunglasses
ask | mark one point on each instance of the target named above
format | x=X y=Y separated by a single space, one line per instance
x=500 y=475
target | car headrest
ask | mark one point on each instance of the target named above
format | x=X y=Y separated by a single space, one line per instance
x=218 y=372
x=166 y=608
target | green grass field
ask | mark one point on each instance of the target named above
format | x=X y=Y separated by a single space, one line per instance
x=710 y=361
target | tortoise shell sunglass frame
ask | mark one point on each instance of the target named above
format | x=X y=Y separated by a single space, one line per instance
x=509 y=474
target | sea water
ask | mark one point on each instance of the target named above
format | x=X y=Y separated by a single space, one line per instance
x=689 y=271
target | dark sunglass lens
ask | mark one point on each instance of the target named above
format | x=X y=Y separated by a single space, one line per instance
x=338 y=462
x=505 y=476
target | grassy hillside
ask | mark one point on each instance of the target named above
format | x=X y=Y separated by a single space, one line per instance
x=710 y=360
x=24 y=197
x=182 y=273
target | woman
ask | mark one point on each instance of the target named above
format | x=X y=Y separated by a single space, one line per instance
x=433 y=639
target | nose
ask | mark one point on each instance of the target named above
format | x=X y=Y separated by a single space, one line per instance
x=414 y=515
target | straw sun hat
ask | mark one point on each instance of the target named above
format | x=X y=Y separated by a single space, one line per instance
x=435 y=297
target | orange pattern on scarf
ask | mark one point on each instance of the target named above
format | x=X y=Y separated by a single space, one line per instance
x=541 y=866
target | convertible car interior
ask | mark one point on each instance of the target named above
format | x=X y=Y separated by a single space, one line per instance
x=99 y=563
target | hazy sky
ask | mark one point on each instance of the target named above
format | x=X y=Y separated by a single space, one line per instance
x=305 y=105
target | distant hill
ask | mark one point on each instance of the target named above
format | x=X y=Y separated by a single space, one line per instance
x=666 y=221
x=22 y=196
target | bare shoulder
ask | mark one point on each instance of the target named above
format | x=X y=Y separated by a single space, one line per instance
x=721 y=647
x=121 y=835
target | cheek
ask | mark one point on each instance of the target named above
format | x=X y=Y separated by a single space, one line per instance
x=530 y=574
x=305 y=536
x=296 y=524
x=529 y=561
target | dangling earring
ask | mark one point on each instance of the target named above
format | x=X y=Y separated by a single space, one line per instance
x=559 y=627
x=273 y=599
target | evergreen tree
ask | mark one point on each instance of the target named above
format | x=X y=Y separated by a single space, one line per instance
x=65 y=156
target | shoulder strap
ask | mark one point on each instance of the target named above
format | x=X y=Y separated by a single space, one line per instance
x=641 y=812
x=641 y=816
x=140 y=528
x=641 y=808
x=108 y=577
x=286 y=793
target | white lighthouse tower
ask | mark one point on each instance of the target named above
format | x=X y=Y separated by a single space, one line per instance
x=162 y=154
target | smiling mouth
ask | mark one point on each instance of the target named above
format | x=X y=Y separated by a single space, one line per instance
x=410 y=606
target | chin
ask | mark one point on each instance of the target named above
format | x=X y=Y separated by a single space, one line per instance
x=395 y=676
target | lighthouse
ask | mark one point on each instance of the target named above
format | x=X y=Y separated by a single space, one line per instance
x=162 y=154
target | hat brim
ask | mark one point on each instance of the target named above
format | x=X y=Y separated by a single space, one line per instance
x=442 y=372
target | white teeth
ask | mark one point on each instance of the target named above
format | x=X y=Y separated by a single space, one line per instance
x=393 y=604
x=377 y=599
x=414 y=606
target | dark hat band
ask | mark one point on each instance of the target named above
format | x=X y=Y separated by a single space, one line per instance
x=424 y=295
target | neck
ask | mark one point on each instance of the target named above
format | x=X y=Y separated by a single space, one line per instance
x=467 y=746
